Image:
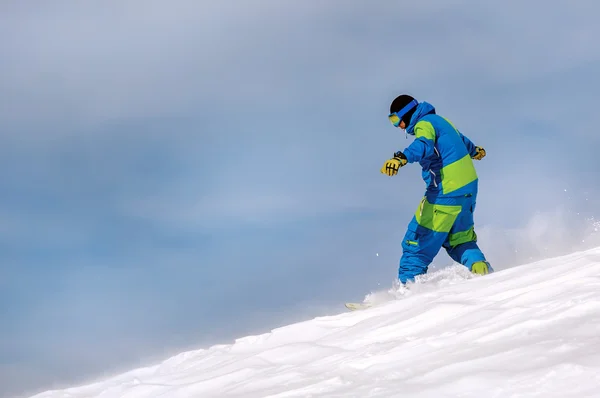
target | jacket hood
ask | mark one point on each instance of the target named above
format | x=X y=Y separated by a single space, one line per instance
x=424 y=108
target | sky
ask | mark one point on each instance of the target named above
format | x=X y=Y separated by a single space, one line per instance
x=528 y=331
x=177 y=175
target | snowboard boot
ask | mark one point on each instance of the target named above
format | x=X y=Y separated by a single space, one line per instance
x=480 y=268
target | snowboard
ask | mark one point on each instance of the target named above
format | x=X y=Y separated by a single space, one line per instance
x=358 y=306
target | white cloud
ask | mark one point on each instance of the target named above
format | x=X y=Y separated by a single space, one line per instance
x=196 y=116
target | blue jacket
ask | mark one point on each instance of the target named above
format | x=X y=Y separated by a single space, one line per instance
x=443 y=153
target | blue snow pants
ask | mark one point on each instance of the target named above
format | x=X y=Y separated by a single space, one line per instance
x=440 y=222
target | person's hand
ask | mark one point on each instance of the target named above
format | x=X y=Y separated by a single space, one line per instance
x=480 y=154
x=391 y=166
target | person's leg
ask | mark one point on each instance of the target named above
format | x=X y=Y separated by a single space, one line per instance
x=425 y=235
x=461 y=244
x=419 y=247
x=470 y=255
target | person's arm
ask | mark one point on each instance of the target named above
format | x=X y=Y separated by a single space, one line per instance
x=476 y=152
x=471 y=148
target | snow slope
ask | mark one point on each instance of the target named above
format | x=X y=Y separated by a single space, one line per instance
x=529 y=331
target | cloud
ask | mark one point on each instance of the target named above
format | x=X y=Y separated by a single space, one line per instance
x=161 y=158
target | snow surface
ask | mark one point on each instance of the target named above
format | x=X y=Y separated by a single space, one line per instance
x=529 y=331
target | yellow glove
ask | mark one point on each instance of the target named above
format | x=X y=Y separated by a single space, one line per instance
x=480 y=153
x=391 y=167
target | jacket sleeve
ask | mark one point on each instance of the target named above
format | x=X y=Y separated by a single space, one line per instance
x=470 y=146
x=424 y=144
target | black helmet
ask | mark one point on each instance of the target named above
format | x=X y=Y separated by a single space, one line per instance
x=402 y=101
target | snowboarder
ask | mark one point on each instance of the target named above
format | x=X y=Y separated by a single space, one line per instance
x=444 y=217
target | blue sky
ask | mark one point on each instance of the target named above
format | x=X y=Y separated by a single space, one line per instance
x=178 y=175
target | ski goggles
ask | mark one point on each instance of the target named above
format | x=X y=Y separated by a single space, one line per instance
x=396 y=117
